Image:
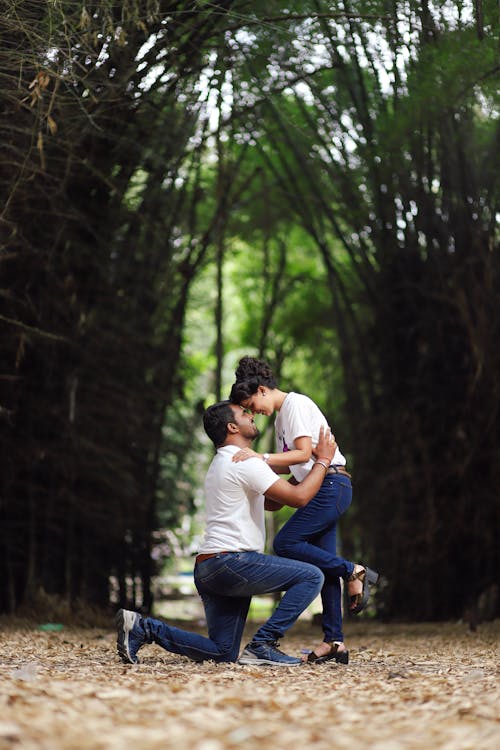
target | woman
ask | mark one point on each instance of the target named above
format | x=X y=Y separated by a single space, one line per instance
x=310 y=534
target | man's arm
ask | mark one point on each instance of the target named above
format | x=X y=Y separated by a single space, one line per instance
x=272 y=505
x=296 y=496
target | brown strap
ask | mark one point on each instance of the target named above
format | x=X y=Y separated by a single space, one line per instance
x=334 y=647
x=208 y=555
x=357 y=576
x=338 y=470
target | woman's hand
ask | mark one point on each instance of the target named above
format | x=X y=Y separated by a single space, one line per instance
x=245 y=453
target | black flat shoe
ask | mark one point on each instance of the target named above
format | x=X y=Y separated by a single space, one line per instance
x=341 y=657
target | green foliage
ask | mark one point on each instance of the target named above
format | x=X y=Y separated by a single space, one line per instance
x=314 y=183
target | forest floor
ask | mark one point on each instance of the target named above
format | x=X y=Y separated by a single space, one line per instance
x=407 y=686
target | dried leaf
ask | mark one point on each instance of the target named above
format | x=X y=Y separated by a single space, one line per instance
x=85 y=19
x=43 y=79
x=52 y=125
x=436 y=687
x=39 y=145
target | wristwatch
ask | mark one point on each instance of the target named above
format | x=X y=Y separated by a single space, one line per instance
x=265 y=457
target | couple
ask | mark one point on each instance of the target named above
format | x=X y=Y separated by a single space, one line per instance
x=231 y=566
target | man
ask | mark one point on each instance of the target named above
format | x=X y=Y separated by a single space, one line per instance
x=231 y=566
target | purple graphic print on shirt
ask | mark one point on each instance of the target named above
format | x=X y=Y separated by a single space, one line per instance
x=281 y=439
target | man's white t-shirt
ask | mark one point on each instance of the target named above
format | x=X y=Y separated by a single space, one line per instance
x=234 y=503
x=300 y=417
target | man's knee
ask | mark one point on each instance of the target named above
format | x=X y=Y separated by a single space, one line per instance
x=310 y=574
x=319 y=577
x=228 y=653
x=314 y=576
x=283 y=547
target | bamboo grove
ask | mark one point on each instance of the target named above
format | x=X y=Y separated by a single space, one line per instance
x=336 y=164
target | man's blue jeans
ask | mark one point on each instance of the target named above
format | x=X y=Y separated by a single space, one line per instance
x=226 y=584
x=311 y=535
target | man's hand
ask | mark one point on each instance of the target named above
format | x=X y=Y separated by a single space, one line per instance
x=326 y=446
x=299 y=495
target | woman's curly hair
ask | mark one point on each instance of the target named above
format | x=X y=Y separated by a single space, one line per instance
x=250 y=368
x=250 y=374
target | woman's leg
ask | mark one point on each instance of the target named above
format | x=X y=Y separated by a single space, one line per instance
x=299 y=537
x=311 y=535
x=331 y=594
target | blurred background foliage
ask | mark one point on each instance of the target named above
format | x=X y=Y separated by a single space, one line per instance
x=187 y=182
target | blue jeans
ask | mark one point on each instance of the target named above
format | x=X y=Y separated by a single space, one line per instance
x=226 y=584
x=311 y=535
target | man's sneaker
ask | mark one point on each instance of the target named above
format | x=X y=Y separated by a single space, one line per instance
x=267 y=653
x=131 y=635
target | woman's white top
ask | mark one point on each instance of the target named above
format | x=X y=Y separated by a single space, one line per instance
x=300 y=417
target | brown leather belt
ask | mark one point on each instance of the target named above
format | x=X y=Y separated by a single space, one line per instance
x=338 y=470
x=208 y=555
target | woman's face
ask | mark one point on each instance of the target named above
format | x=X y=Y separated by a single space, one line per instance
x=260 y=402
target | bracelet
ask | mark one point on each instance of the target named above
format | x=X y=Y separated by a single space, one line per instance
x=324 y=458
x=325 y=466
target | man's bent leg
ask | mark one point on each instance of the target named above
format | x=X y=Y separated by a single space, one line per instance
x=301 y=582
x=252 y=573
x=243 y=574
x=226 y=619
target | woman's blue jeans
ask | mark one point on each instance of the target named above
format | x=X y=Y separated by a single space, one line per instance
x=310 y=535
x=226 y=584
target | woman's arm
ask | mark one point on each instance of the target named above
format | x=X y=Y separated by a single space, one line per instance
x=298 y=455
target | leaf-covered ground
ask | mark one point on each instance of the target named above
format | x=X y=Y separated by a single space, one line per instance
x=407 y=686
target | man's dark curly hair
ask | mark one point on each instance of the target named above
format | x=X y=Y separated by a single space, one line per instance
x=216 y=420
x=251 y=373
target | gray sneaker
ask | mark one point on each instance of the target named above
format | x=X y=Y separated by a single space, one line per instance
x=267 y=653
x=130 y=635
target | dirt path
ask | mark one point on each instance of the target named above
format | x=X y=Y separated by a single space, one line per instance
x=425 y=686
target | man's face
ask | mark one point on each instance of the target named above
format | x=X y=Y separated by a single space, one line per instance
x=243 y=418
